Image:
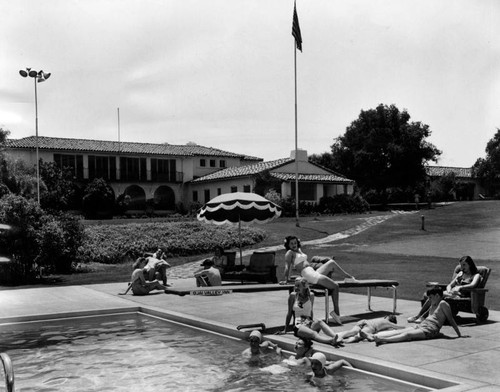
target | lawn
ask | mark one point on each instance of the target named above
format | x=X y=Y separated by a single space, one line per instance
x=397 y=248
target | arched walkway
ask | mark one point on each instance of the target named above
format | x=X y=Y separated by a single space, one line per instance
x=164 y=198
x=137 y=197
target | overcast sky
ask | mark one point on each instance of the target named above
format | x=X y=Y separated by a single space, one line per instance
x=220 y=73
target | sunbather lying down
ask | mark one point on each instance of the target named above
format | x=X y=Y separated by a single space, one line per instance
x=439 y=313
x=369 y=327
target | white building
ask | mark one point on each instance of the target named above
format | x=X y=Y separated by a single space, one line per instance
x=172 y=174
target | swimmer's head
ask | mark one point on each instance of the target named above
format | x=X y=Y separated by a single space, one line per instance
x=302 y=346
x=318 y=357
x=255 y=336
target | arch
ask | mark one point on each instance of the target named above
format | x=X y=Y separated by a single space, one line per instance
x=136 y=197
x=164 y=198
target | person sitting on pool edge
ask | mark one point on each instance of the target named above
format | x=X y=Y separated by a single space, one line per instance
x=156 y=267
x=300 y=307
x=257 y=346
x=138 y=283
x=209 y=275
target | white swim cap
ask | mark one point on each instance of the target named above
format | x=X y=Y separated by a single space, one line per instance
x=319 y=357
x=256 y=334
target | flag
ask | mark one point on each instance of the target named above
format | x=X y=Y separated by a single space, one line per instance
x=296 y=29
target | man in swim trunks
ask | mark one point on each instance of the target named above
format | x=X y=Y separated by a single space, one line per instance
x=156 y=267
x=209 y=275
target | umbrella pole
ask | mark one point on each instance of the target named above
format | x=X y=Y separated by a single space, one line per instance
x=239 y=231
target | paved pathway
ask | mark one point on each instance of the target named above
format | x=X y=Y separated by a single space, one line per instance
x=187 y=270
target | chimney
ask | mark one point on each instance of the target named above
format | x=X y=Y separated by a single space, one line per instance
x=301 y=155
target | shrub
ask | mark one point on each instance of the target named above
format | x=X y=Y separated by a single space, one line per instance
x=60 y=239
x=98 y=200
x=25 y=216
x=39 y=239
x=108 y=243
x=343 y=204
x=273 y=196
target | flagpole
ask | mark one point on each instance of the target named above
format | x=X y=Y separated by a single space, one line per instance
x=296 y=144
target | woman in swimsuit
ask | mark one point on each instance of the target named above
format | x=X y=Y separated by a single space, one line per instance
x=468 y=278
x=300 y=305
x=439 y=313
x=296 y=259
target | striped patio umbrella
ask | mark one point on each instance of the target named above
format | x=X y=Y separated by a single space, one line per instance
x=237 y=208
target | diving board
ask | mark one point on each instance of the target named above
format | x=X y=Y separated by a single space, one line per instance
x=248 y=288
x=226 y=289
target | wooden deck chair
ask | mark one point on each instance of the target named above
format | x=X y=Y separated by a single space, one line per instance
x=474 y=303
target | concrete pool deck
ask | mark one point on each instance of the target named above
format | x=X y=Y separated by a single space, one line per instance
x=471 y=362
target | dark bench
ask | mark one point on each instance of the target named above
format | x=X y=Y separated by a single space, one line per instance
x=261 y=269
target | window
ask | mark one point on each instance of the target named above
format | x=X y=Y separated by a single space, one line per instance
x=307 y=191
x=74 y=163
x=219 y=191
x=234 y=189
x=222 y=163
x=163 y=170
x=212 y=162
x=102 y=167
x=133 y=169
x=195 y=195
x=207 y=195
x=203 y=162
x=246 y=188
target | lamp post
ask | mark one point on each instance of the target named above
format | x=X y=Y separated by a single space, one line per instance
x=38 y=77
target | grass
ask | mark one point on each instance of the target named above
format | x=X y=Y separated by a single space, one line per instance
x=396 y=249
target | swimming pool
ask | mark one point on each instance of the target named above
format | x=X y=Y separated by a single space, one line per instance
x=137 y=352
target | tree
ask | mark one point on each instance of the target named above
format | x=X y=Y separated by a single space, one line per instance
x=487 y=169
x=324 y=159
x=99 y=199
x=60 y=187
x=382 y=149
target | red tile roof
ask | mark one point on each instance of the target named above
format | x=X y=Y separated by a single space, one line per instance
x=242 y=171
x=440 y=171
x=106 y=146
x=312 y=177
x=249 y=170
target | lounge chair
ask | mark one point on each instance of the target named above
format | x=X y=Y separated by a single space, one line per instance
x=474 y=303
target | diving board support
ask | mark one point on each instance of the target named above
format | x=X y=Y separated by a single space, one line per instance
x=368 y=283
x=394 y=298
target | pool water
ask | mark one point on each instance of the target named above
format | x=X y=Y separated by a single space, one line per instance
x=135 y=352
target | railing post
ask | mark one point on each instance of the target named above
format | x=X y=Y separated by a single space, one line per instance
x=9 y=372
